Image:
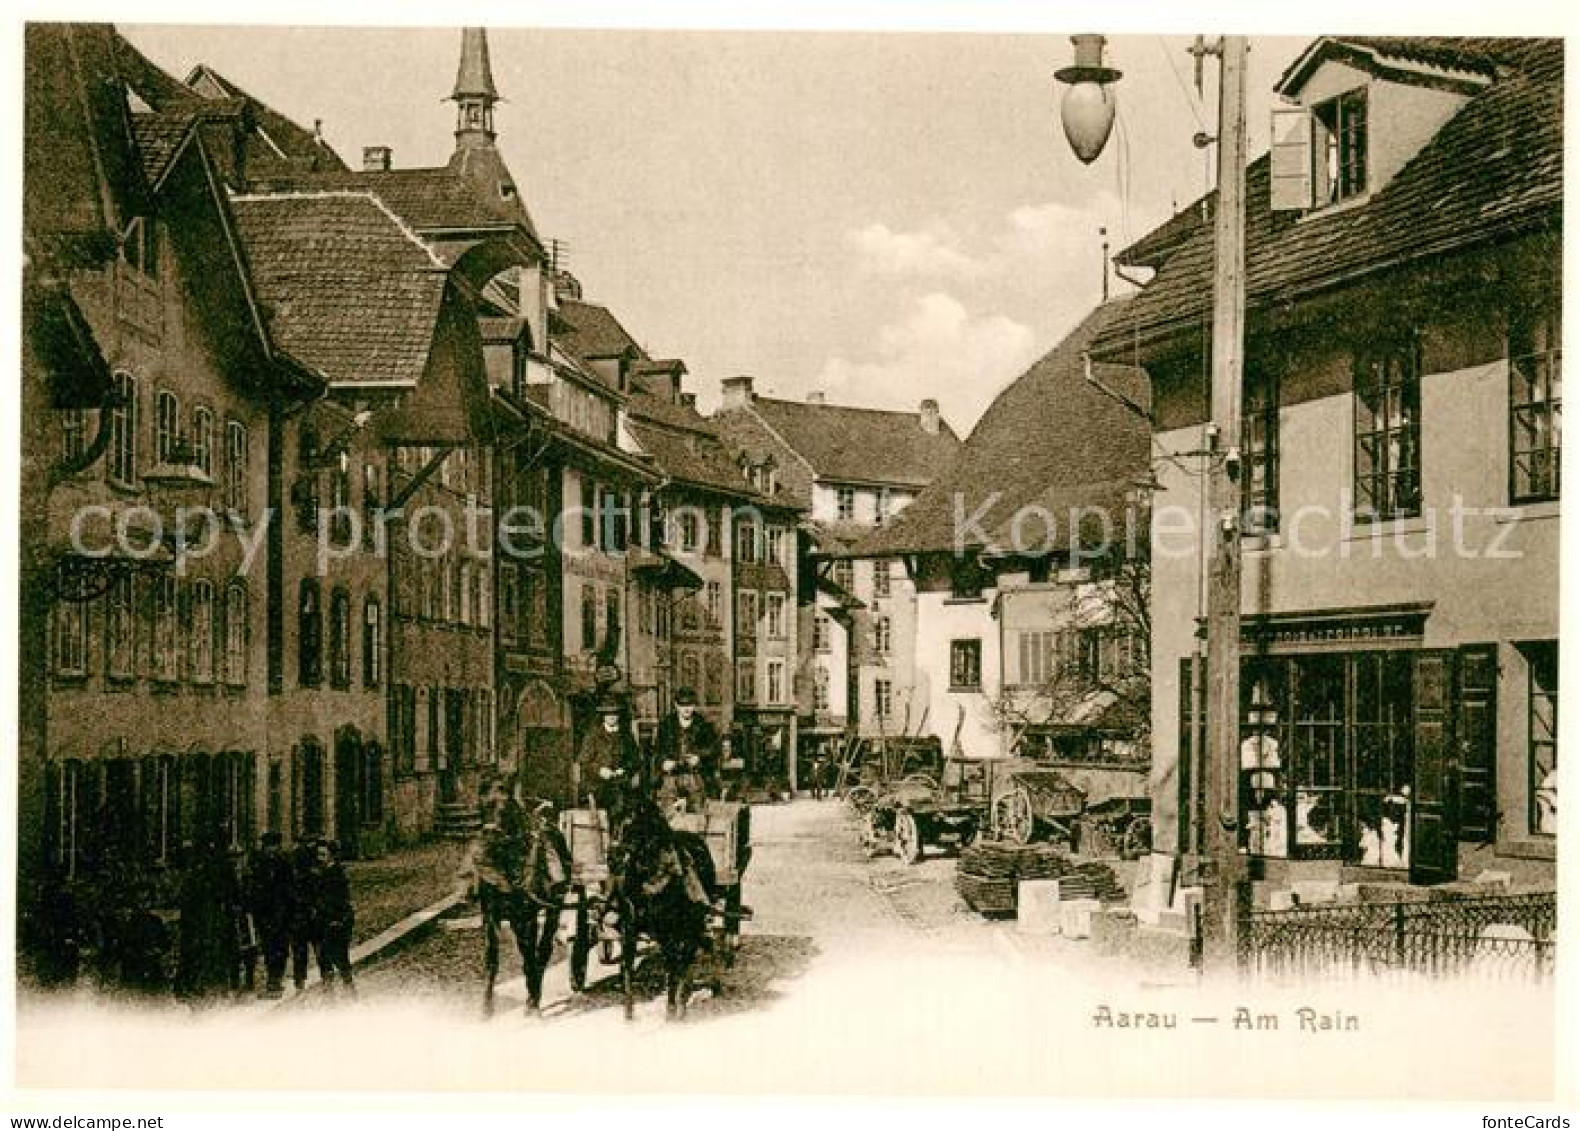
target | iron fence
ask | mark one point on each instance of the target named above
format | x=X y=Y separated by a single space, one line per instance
x=1507 y=938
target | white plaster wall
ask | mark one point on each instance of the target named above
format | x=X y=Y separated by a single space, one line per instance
x=939 y=620
x=1320 y=559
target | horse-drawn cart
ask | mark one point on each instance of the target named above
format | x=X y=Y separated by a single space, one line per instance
x=587 y=835
x=723 y=826
x=726 y=828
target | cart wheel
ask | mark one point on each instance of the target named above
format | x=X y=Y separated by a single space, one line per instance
x=1138 y=839
x=873 y=839
x=1012 y=816
x=581 y=946
x=921 y=779
x=861 y=799
x=907 y=837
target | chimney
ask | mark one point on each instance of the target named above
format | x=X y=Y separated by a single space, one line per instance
x=566 y=285
x=377 y=158
x=737 y=392
x=817 y=396
x=930 y=416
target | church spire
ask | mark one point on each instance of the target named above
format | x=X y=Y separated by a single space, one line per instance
x=474 y=94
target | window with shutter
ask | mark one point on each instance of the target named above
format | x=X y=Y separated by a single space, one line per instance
x=1290 y=159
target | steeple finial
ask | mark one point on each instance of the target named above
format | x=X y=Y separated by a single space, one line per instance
x=474 y=93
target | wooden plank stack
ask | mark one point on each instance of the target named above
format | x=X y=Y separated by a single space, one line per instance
x=1092 y=880
x=988 y=873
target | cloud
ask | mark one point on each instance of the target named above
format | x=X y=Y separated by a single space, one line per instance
x=940 y=349
x=1040 y=237
x=956 y=313
x=928 y=251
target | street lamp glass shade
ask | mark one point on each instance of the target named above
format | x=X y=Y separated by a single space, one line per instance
x=1087 y=112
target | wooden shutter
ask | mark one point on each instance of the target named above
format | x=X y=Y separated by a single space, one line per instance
x=1290 y=160
x=1434 y=841
x=1476 y=727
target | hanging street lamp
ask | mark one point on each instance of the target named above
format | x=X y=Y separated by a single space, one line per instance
x=1087 y=109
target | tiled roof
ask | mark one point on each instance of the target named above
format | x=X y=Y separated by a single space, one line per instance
x=687 y=446
x=644 y=405
x=861 y=445
x=159 y=134
x=1485 y=56
x=287 y=143
x=595 y=331
x=158 y=137
x=347 y=289
x=1493 y=171
x=425 y=198
x=1051 y=439
x=692 y=456
x=80 y=172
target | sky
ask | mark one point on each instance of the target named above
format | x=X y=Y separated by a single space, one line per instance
x=884 y=217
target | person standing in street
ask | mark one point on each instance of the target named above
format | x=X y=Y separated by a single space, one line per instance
x=271 y=896
x=329 y=892
x=685 y=756
x=208 y=955
x=303 y=927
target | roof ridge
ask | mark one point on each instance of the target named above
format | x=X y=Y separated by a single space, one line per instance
x=349 y=194
x=845 y=407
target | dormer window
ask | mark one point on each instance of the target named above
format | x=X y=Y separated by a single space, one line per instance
x=1320 y=154
x=1338 y=149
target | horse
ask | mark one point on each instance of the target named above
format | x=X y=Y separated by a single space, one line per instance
x=521 y=868
x=664 y=888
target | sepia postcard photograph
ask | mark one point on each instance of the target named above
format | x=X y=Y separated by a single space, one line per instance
x=921 y=559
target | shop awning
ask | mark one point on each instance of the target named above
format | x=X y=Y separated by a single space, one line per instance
x=662 y=569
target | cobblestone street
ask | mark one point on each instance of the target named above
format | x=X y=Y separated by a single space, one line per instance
x=856 y=975
x=817 y=899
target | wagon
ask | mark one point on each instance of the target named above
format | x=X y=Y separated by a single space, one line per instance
x=1033 y=801
x=873 y=765
x=726 y=828
x=1118 y=826
x=919 y=811
x=587 y=835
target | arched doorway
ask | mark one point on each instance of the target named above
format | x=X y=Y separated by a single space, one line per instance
x=541 y=745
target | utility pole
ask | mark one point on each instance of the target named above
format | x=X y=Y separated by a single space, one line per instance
x=1087 y=113
x=1224 y=888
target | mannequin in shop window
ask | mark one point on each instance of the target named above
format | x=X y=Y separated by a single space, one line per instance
x=1387 y=843
x=1547 y=804
x=1261 y=776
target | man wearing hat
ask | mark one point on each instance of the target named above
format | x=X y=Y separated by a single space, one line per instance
x=607 y=764
x=685 y=755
